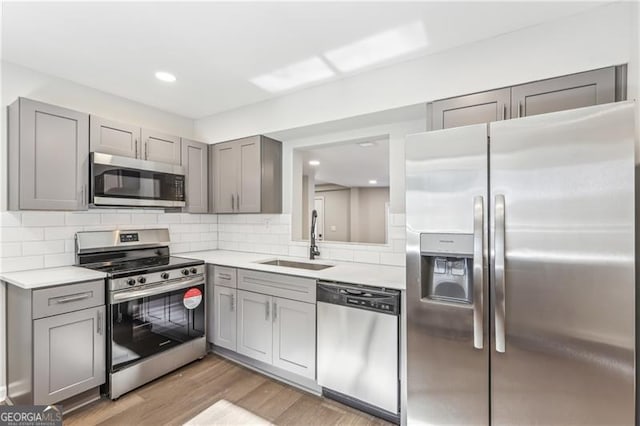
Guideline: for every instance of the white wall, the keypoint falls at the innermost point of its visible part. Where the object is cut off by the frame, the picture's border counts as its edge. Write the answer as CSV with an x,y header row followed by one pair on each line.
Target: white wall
x,y
601,37
40,239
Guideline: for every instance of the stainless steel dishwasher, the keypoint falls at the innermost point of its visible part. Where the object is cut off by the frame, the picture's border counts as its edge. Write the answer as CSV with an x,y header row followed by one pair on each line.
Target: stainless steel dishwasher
x,y
358,346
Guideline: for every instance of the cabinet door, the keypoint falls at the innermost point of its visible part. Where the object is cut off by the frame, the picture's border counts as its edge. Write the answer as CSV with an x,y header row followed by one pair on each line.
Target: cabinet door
x,y
478,108
225,170
53,154
294,336
160,147
249,175
224,317
69,354
195,161
562,93
254,335
114,138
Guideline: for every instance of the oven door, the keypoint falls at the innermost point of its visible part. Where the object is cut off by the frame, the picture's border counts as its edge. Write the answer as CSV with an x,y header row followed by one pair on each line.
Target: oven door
x,y
123,181
144,322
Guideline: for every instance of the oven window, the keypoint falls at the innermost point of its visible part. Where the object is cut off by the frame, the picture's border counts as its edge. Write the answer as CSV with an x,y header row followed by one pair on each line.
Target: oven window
x,y
144,327
117,182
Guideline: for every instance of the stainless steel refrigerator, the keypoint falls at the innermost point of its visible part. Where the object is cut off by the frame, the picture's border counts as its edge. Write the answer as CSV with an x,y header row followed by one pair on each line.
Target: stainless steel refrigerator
x,y
520,271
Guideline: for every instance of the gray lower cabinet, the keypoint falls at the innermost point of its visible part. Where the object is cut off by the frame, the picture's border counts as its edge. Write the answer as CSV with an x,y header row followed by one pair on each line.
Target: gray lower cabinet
x,y
223,325
563,93
56,344
110,137
48,154
195,160
69,354
160,147
493,105
247,176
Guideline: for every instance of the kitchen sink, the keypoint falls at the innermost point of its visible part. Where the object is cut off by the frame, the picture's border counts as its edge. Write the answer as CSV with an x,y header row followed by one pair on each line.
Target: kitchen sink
x,y
298,265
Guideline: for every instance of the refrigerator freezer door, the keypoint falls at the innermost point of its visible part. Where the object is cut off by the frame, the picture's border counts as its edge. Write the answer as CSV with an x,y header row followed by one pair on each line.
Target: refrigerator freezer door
x,y
447,357
567,180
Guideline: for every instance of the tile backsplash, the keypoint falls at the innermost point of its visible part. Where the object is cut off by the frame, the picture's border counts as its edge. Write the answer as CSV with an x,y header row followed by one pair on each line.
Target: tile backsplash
x,y
34,239
31,239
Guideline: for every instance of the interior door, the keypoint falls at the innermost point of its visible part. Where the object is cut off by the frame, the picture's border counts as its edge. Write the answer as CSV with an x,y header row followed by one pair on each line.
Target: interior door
x,y
562,195
254,335
447,355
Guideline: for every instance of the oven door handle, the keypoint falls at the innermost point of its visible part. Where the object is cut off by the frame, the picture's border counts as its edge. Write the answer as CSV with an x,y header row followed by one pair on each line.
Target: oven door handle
x,y
127,295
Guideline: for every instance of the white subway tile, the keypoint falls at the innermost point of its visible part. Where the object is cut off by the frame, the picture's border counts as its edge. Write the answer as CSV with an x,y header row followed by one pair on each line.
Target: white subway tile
x,y
115,219
227,245
61,232
11,264
10,249
399,245
70,246
189,218
366,257
297,251
179,228
209,218
63,259
21,234
397,232
398,219
203,245
99,228
166,218
10,218
82,219
42,218
209,236
341,254
179,247
144,219
32,248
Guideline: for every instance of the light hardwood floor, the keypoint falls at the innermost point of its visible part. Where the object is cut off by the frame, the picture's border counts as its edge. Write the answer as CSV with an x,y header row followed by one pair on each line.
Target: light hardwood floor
x,y
180,396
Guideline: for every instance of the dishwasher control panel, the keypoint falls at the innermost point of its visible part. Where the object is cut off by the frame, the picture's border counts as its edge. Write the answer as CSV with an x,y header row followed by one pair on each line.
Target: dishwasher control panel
x,y
372,299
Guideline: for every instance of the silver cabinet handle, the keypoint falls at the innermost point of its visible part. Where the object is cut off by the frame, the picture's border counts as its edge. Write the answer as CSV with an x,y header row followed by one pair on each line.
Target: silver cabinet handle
x,y
238,200
233,303
100,328
498,273
275,310
146,150
267,306
504,111
233,200
478,272
136,147
72,298
519,109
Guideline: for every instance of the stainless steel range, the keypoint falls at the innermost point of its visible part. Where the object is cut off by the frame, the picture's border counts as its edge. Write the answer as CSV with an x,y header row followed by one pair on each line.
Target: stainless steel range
x,y
156,304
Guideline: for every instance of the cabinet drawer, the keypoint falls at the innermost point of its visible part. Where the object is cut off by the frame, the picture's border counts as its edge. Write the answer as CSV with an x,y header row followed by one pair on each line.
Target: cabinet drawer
x,y
225,277
287,286
67,298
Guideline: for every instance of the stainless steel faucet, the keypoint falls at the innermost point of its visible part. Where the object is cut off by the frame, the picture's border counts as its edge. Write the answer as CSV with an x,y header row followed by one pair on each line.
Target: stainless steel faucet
x,y
313,250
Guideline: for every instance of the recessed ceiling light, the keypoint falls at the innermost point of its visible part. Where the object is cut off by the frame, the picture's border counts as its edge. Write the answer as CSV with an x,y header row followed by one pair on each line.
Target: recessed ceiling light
x,y
307,71
378,47
165,76
314,163
373,182
367,144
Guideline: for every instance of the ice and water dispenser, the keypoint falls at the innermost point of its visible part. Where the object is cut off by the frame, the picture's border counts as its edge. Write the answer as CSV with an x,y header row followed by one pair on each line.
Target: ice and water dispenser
x,y
447,267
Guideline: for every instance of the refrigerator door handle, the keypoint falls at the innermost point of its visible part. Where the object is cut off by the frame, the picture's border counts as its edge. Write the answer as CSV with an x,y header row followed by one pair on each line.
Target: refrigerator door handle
x,y
499,276
478,272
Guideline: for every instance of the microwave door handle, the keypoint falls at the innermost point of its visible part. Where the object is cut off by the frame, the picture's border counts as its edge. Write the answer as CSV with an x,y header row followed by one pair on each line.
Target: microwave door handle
x,y
478,272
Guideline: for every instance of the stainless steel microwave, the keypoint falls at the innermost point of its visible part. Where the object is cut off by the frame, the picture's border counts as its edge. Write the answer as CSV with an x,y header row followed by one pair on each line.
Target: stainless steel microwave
x,y
129,182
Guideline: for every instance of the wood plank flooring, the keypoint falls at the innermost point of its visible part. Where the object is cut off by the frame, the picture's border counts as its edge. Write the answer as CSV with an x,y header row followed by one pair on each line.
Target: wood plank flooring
x,y
240,394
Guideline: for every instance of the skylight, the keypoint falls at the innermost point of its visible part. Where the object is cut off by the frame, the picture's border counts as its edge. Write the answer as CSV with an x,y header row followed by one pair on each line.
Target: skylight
x,y
297,74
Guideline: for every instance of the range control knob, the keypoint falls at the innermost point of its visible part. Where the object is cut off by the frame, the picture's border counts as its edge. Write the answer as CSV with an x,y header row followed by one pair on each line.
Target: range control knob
x,y
185,272
131,281
164,276
194,271
142,280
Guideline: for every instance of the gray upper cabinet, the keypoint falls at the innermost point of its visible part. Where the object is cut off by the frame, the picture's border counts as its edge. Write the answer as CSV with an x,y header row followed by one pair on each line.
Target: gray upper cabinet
x,y
247,176
160,147
562,93
110,137
48,157
195,160
478,108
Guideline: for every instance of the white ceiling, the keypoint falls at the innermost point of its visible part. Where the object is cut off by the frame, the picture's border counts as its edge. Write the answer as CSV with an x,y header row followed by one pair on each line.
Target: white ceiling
x,y
215,48
349,164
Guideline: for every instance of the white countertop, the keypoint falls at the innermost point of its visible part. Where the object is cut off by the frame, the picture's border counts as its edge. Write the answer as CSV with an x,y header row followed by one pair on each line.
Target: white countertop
x,y
40,278
348,272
